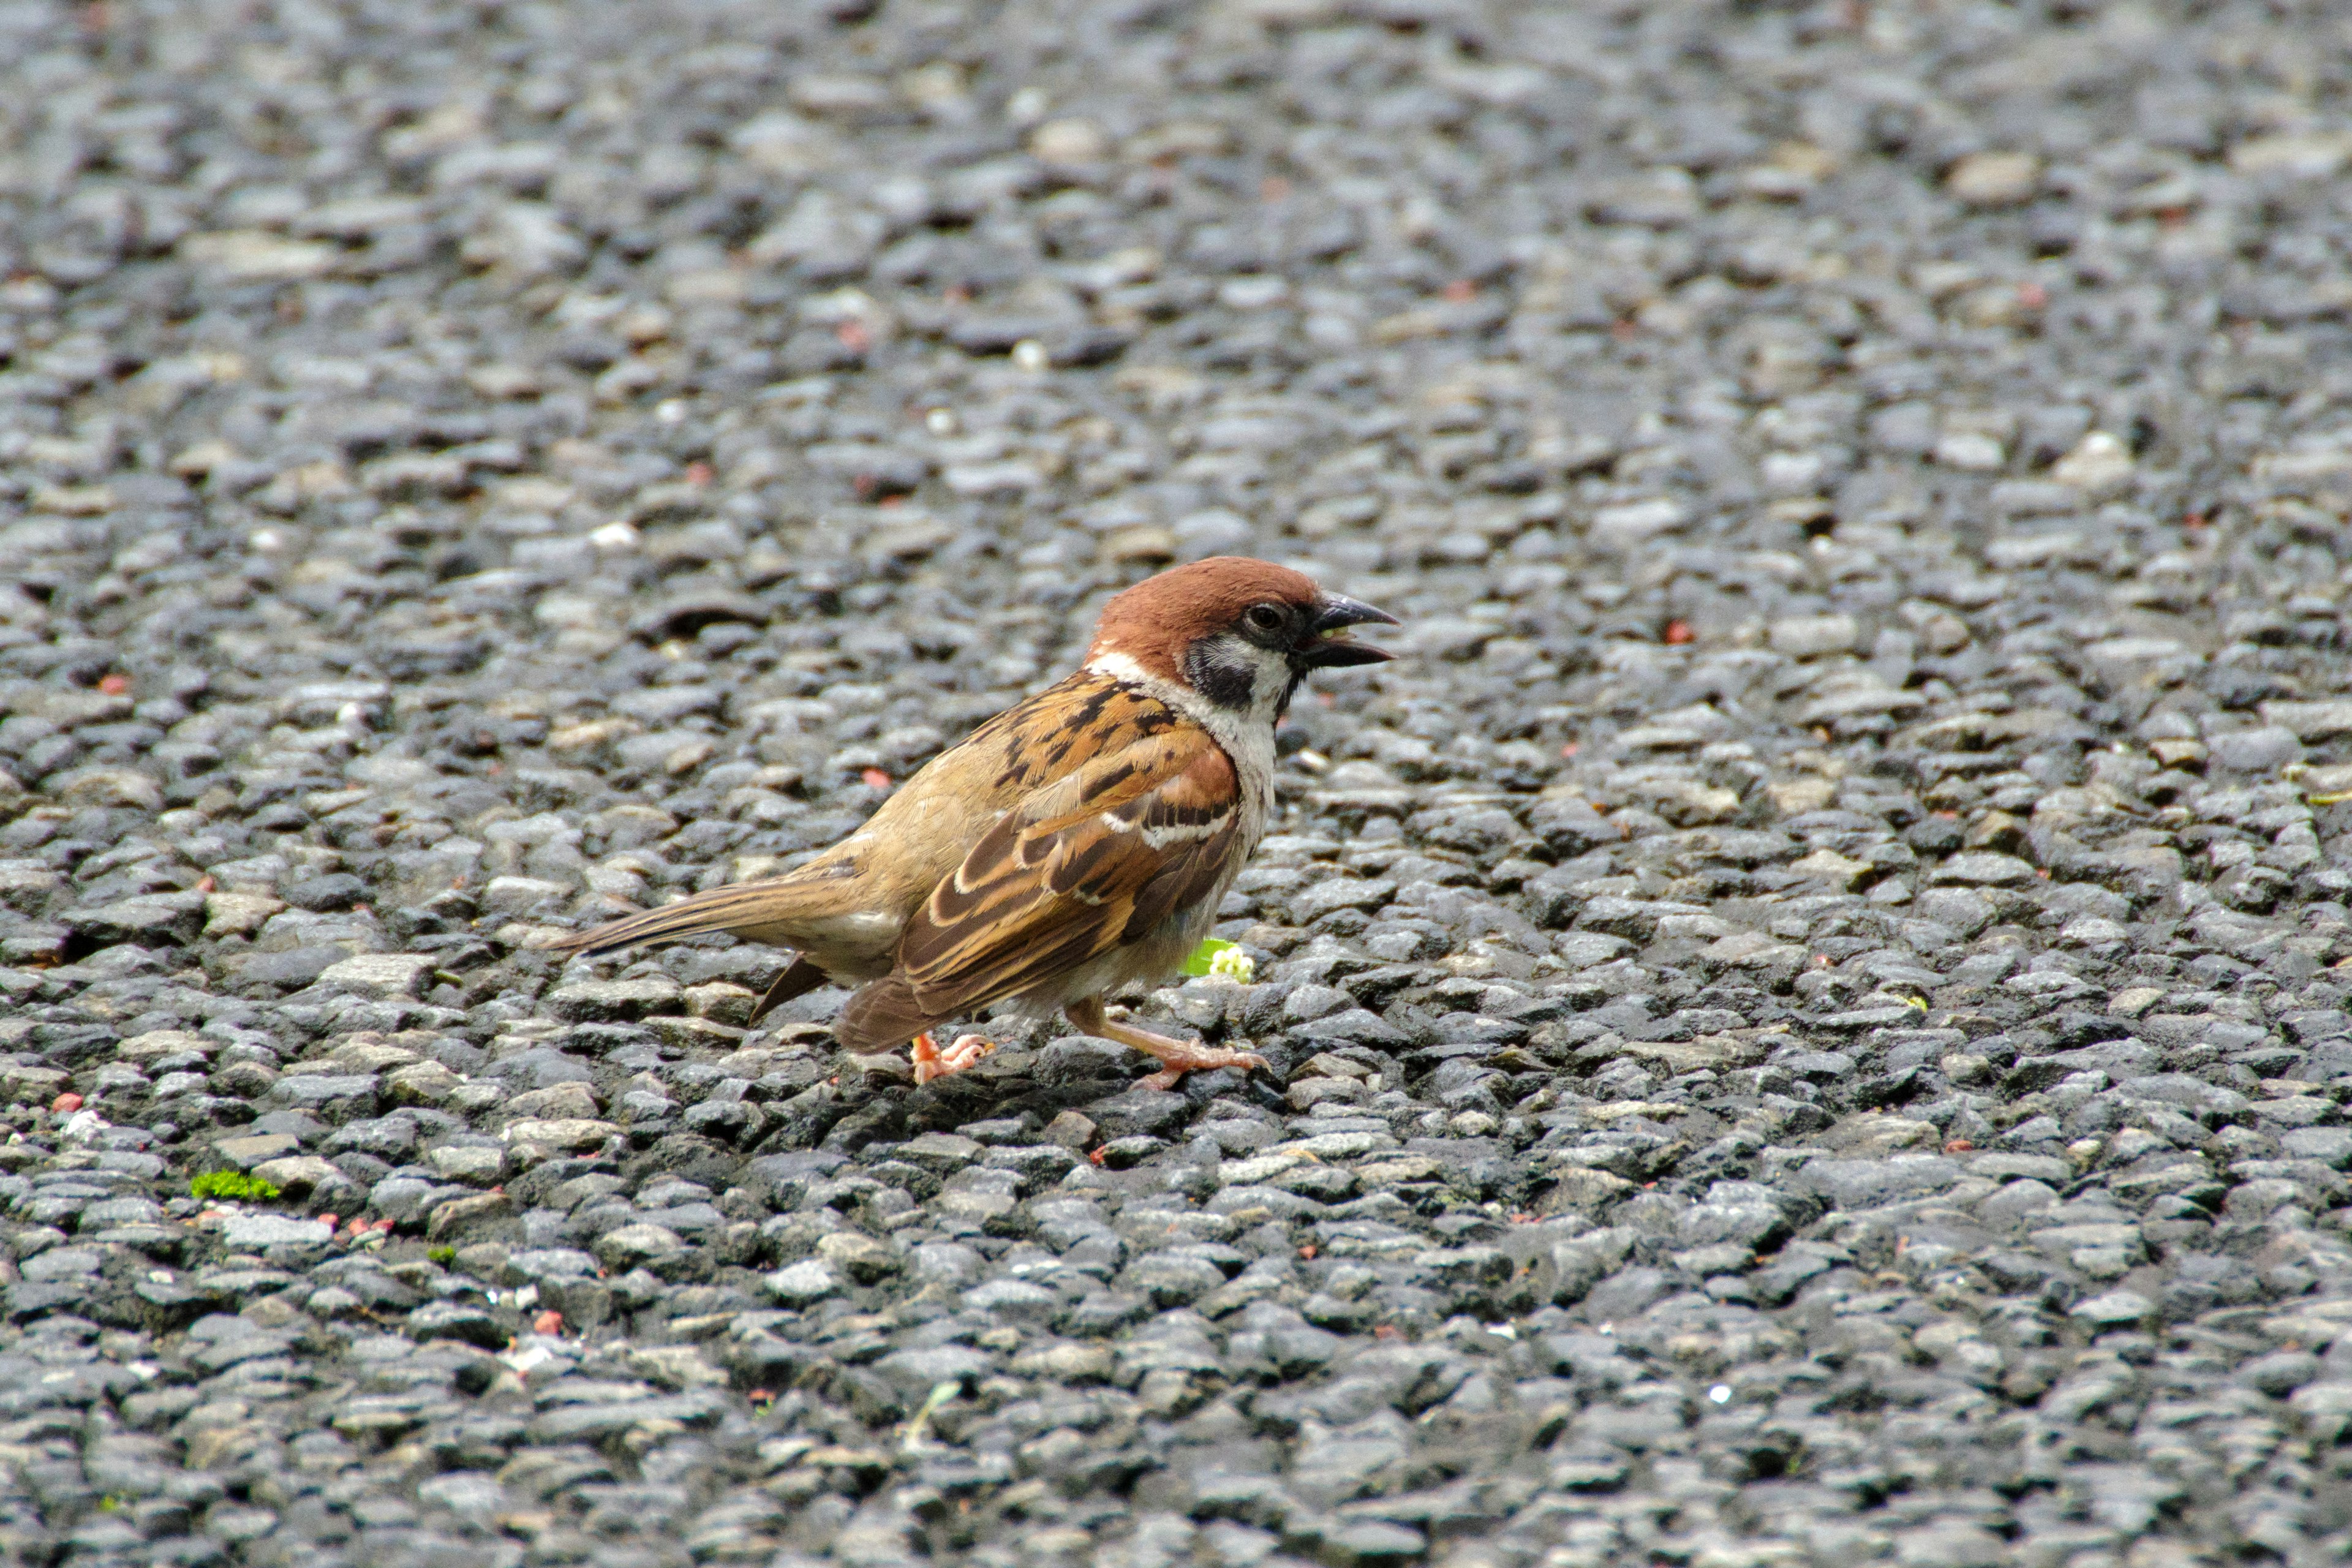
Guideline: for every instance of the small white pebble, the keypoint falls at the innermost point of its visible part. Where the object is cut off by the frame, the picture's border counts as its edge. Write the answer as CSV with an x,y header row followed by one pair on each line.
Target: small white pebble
x,y
670,411
82,1126
1608,1328
265,539
1029,354
615,536
1503,1331
528,1359
1720,1393
941,422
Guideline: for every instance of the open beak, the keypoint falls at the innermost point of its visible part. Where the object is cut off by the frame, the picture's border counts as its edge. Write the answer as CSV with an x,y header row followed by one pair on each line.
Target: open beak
x,y
1328,645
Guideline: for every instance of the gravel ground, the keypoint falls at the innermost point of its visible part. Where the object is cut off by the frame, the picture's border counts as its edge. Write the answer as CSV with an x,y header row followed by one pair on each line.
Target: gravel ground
x,y
1809,1009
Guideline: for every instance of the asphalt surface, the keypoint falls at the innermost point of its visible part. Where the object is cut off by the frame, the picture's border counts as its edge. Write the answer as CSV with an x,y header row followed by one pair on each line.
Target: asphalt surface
x,y
1808,1010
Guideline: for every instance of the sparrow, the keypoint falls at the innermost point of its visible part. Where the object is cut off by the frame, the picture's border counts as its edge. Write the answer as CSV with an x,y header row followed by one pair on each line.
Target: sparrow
x,y
1074,843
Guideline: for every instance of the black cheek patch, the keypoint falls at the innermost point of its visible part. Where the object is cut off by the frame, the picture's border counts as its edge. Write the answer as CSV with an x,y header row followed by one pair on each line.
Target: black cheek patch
x,y
1226,682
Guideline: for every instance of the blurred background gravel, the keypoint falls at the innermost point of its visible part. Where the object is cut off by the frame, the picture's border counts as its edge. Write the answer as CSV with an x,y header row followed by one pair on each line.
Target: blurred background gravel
x,y
1808,1009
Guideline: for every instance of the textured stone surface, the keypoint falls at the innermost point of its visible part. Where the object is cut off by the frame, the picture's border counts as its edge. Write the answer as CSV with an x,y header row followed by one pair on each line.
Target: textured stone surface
x,y
1806,1010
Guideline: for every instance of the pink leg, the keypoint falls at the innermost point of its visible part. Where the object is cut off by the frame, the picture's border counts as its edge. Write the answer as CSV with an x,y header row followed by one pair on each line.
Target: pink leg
x,y
1176,1057
931,1062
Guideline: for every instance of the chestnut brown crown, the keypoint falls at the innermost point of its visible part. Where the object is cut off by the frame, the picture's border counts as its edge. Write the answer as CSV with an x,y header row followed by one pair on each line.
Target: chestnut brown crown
x,y
1159,620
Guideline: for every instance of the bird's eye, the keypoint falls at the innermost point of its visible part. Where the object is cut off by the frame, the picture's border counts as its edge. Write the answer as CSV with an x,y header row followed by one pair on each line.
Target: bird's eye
x,y
1265,617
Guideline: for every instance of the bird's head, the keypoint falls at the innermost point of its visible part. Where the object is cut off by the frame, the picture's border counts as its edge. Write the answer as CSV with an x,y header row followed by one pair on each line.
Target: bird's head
x,y
1241,634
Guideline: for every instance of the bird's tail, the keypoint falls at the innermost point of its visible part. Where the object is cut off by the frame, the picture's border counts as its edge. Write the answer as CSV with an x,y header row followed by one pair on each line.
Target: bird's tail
x,y
747,909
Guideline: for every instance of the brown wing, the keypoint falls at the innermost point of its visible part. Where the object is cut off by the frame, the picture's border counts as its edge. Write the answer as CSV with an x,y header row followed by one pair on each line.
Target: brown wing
x,y
1099,857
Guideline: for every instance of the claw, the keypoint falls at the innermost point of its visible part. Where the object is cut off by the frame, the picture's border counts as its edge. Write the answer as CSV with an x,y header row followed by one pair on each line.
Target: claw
x,y
931,1062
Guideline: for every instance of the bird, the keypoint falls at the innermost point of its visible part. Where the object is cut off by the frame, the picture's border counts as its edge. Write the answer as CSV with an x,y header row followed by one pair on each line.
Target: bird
x,y
1078,841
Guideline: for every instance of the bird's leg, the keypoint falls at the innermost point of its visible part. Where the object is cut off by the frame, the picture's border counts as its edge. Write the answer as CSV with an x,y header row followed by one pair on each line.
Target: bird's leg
x,y
1176,1057
931,1062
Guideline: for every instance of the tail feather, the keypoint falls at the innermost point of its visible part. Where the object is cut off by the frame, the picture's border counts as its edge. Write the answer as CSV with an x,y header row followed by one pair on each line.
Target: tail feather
x,y
799,980
881,1016
741,909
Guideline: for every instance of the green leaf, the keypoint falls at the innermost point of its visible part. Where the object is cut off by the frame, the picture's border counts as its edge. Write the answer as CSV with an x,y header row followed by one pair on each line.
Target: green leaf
x,y
233,1186
1203,956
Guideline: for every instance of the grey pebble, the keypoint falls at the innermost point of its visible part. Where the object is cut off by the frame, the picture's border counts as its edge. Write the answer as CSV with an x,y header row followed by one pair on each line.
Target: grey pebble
x,y
1823,958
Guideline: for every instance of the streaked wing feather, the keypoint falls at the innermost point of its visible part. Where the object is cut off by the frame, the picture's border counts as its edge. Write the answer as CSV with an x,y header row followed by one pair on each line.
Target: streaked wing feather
x,y
1186,880
1097,858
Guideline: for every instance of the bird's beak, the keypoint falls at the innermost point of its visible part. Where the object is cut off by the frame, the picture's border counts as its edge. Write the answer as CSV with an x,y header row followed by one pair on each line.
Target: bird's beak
x,y
1328,645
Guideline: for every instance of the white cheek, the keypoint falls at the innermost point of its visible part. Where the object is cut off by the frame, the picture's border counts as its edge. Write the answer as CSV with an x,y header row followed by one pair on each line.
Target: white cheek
x,y
1272,680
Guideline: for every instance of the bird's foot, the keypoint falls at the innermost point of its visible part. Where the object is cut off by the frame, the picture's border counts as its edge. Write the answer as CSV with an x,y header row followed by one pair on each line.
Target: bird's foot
x,y
1177,1057
931,1062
